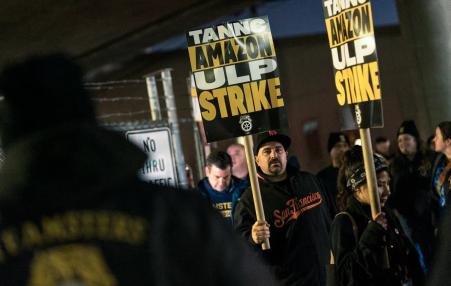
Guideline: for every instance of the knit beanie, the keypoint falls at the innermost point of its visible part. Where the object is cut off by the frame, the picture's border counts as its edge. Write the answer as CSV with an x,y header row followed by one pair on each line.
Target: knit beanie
x,y
336,137
408,127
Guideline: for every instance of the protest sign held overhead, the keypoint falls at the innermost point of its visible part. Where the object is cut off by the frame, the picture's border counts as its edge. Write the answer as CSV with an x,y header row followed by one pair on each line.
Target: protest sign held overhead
x,y
350,30
237,78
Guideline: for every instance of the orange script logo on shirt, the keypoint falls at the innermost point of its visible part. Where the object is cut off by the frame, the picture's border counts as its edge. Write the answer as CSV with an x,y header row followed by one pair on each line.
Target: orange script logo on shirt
x,y
295,207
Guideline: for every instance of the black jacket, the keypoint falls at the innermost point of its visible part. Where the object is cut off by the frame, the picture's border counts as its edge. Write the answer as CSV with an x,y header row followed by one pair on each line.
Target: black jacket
x,y
440,272
411,193
412,197
72,210
361,263
299,224
328,176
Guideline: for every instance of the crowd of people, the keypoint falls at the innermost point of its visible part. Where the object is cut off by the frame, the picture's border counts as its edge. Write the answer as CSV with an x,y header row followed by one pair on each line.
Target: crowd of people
x,y
413,184
72,211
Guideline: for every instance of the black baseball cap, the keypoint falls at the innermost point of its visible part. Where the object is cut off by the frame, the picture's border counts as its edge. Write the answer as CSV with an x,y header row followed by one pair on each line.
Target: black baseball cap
x,y
271,136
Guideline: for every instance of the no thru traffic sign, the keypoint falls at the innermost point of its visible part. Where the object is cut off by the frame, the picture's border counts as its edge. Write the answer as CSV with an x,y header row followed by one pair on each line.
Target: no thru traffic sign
x,y
159,167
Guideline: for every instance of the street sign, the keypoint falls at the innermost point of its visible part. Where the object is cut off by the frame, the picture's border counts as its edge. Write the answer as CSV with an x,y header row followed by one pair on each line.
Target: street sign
x,y
159,167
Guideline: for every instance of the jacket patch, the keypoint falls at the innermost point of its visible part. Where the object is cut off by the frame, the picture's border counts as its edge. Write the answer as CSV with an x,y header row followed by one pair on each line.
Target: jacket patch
x,y
295,207
71,265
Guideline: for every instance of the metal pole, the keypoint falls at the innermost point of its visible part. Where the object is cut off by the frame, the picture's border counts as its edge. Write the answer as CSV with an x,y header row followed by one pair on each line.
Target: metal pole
x,y
371,180
200,152
152,92
258,204
173,122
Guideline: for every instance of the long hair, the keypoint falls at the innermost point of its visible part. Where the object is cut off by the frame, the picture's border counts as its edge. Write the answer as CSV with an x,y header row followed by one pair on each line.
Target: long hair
x,y
352,160
445,128
352,174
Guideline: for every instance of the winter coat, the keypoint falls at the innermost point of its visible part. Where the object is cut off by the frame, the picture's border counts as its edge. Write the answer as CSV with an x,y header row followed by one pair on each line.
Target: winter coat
x,y
440,272
328,176
224,202
440,198
411,194
297,212
73,212
412,197
360,263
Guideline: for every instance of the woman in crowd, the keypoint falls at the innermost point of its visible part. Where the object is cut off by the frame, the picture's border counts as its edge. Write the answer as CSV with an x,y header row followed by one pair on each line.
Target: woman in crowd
x,y
441,183
411,192
441,180
358,241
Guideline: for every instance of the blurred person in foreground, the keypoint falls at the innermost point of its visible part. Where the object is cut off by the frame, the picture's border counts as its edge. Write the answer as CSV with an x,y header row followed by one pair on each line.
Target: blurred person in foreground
x,y
72,209
297,216
358,241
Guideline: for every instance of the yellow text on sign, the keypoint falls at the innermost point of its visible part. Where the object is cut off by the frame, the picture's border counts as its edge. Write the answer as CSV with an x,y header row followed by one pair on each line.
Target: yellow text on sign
x,y
350,25
358,84
241,99
231,51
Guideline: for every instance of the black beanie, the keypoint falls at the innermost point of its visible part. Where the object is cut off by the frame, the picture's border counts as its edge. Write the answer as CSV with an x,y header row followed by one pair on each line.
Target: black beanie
x,y
408,127
336,137
41,92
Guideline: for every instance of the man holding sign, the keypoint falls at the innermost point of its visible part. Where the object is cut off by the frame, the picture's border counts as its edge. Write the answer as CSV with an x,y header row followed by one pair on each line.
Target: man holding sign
x,y
297,215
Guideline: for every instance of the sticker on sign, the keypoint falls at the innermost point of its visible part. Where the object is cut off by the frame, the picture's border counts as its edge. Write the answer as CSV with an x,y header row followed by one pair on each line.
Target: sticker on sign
x,y
159,167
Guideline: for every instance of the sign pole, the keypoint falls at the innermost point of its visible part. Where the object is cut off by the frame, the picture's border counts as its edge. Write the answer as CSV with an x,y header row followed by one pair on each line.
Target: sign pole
x,y
152,92
169,96
371,180
259,211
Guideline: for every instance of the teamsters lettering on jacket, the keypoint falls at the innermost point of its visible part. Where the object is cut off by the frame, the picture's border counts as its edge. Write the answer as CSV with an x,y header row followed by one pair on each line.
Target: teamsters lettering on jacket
x,y
72,226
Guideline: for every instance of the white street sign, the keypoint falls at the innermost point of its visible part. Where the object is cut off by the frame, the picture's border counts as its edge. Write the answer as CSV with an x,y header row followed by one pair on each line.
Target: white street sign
x,y
157,144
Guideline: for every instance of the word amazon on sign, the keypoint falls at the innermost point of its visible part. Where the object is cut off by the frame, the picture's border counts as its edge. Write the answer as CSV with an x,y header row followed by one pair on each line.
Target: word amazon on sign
x,y
349,25
237,78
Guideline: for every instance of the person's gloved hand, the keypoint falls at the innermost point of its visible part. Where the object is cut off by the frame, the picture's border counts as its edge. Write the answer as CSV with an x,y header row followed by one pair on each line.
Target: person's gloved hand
x,y
373,235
